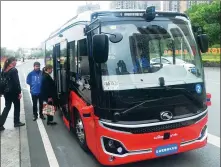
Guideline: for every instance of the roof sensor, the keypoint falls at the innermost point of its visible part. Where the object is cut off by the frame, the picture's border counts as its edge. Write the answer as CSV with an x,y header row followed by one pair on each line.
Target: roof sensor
x,y
150,13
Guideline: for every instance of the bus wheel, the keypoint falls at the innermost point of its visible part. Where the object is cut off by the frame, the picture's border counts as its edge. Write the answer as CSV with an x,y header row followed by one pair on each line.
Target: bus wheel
x,y
80,132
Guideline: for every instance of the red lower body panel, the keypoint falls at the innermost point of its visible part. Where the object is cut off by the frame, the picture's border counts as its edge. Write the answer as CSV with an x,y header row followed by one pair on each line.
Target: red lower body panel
x,y
143,146
66,122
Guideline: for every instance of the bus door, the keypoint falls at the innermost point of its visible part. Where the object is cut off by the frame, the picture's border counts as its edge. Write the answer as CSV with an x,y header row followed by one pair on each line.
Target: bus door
x,y
63,81
57,69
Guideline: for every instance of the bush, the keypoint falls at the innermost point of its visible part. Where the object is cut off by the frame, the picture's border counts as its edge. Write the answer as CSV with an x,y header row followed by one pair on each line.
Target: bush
x,y
211,63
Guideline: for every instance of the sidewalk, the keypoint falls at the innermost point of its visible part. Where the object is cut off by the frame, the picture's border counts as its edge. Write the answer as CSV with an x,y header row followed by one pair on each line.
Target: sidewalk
x,y
14,141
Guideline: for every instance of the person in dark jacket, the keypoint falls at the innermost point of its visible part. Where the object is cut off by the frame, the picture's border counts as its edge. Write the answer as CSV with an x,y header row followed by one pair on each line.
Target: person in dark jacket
x,y
13,95
34,80
48,91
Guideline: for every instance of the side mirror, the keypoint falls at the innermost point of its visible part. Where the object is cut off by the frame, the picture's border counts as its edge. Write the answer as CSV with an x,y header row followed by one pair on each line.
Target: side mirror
x,y
100,48
203,42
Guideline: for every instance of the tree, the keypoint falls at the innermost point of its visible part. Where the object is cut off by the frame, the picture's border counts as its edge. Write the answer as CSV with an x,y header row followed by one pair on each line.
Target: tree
x,y
3,51
10,53
19,53
208,17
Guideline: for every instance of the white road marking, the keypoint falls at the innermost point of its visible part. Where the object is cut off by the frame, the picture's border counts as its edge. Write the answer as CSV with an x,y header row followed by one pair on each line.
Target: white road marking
x,y
53,162
214,140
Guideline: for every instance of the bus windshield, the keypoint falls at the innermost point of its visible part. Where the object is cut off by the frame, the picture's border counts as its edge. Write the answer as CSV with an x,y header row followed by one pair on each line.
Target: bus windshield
x,y
148,51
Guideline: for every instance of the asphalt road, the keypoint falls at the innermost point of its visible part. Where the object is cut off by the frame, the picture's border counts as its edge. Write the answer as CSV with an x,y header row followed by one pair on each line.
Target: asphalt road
x,y
69,154
212,76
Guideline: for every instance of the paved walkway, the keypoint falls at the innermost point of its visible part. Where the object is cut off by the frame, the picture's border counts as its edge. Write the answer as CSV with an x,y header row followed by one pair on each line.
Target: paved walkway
x,y
14,141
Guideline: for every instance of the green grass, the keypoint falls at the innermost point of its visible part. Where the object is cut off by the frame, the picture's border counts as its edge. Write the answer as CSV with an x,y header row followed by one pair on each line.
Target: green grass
x,y
211,57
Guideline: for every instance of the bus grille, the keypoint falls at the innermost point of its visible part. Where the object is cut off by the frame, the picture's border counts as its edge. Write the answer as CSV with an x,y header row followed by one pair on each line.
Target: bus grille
x,y
156,128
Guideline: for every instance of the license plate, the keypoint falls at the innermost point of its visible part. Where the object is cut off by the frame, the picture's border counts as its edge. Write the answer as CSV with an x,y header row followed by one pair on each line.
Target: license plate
x,y
166,150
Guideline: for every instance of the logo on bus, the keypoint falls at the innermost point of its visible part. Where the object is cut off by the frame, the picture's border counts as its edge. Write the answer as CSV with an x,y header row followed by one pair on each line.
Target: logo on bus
x,y
161,137
198,88
166,115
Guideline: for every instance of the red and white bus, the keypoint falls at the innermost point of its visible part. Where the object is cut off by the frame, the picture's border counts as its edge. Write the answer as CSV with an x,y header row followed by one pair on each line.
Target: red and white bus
x,y
122,99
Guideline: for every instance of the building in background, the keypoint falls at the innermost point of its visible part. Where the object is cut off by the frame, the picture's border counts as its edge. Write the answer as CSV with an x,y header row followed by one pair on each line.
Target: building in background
x,y
144,4
134,4
183,6
175,6
124,5
88,7
190,3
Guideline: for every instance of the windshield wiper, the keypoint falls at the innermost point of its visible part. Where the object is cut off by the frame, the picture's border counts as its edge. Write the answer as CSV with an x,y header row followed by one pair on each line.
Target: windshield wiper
x,y
183,91
117,115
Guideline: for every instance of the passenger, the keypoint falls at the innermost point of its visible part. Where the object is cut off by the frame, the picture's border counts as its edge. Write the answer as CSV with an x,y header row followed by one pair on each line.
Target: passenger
x,y
12,94
34,80
48,91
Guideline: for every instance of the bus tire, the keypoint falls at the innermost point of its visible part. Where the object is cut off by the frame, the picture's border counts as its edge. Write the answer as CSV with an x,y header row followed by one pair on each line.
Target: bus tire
x,y
80,132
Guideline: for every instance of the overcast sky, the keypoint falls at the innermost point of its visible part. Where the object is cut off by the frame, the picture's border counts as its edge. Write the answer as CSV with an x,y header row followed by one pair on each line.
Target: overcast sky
x,y
28,23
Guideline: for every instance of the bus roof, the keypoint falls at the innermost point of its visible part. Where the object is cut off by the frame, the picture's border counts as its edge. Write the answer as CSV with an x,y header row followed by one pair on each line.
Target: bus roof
x,y
87,16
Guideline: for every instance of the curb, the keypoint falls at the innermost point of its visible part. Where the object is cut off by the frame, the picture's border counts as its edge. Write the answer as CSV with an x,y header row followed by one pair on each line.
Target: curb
x,y
24,145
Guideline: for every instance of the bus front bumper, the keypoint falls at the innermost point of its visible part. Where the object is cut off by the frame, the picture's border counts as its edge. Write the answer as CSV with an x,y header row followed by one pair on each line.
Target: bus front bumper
x,y
115,148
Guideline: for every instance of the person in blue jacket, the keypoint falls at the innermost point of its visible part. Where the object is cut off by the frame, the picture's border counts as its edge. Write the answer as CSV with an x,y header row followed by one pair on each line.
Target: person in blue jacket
x,y
34,80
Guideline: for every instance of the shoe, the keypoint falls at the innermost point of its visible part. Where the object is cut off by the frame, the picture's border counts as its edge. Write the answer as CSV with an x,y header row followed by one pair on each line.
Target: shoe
x,y
2,128
51,123
42,117
35,118
19,124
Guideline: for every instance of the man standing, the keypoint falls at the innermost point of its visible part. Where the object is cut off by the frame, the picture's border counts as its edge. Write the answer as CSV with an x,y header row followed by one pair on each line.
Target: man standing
x,y
34,80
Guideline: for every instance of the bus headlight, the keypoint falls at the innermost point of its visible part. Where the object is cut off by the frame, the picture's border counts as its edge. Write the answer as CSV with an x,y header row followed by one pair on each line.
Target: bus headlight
x,y
113,146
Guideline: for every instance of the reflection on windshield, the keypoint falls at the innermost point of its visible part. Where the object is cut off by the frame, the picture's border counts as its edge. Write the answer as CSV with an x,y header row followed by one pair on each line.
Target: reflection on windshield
x,y
164,49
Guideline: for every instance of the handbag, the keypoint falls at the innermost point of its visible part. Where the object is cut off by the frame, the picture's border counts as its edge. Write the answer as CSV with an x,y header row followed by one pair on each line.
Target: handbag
x,y
49,110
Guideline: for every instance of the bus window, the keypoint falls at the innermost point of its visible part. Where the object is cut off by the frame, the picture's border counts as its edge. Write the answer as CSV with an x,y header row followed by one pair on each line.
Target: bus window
x,y
73,60
83,69
73,57
48,54
83,66
63,64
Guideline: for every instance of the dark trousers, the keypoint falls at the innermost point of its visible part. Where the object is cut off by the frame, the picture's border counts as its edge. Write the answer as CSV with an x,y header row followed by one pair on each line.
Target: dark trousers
x,y
9,99
50,118
35,100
